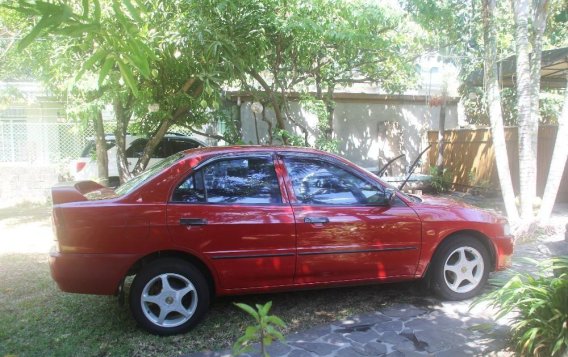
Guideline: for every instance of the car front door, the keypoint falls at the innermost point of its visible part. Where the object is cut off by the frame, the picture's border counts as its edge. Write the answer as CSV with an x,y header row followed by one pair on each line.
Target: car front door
x,y
345,229
235,212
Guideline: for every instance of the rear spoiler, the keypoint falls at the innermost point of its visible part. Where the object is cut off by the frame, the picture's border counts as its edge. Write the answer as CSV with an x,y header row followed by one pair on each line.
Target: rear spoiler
x,y
73,191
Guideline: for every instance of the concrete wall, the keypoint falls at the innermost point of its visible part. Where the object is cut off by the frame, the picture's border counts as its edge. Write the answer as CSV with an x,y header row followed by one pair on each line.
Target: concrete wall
x,y
369,131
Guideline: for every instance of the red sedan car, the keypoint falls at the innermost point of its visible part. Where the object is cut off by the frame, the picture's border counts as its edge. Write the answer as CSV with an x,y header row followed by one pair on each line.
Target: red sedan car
x,y
234,220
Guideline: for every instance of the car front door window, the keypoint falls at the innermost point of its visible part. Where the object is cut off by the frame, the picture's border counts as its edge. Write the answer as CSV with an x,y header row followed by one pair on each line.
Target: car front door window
x,y
319,182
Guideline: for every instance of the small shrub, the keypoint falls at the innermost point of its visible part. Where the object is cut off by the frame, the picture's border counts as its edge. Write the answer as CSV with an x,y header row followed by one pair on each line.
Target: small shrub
x,y
541,326
264,331
441,181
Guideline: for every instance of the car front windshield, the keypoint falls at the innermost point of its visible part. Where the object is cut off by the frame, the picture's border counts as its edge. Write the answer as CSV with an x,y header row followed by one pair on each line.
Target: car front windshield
x,y
137,181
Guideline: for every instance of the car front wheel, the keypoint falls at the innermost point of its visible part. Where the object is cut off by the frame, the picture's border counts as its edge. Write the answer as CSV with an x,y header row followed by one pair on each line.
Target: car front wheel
x,y
169,296
460,268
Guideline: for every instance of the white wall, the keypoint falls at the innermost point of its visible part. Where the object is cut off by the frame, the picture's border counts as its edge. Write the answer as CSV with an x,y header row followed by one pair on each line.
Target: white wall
x,y
356,127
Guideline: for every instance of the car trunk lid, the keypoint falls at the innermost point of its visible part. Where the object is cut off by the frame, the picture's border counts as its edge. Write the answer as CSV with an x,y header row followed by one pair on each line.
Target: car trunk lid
x,y
80,191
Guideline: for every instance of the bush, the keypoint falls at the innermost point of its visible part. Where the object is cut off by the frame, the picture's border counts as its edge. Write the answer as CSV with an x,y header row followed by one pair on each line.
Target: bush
x,y
441,180
264,331
541,326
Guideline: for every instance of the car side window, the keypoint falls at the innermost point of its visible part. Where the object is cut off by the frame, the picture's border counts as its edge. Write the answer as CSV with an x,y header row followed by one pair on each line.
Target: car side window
x,y
232,181
136,148
181,145
319,182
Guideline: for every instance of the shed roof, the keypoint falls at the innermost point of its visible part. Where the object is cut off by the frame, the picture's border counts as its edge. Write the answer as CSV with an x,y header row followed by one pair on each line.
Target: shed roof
x,y
553,70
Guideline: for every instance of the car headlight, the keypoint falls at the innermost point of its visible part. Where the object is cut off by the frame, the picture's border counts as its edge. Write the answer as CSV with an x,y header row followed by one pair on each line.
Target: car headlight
x,y
506,229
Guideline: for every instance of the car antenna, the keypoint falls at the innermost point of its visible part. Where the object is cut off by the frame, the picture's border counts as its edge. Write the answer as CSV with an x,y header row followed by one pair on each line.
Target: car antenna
x,y
384,169
412,167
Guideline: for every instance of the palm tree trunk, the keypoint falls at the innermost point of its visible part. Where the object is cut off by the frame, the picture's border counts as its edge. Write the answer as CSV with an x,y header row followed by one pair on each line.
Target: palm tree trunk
x,y
557,163
528,125
495,112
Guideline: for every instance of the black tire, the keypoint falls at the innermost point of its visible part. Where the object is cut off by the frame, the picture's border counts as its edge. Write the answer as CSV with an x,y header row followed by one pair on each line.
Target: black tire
x,y
179,276
472,274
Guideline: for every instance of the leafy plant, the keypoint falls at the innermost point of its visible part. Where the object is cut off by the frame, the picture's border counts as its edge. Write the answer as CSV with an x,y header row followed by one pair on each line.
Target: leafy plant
x,y
441,181
541,326
264,331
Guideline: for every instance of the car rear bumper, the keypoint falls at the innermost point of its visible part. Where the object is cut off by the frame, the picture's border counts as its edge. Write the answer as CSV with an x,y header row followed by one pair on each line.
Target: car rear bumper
x,y
98,274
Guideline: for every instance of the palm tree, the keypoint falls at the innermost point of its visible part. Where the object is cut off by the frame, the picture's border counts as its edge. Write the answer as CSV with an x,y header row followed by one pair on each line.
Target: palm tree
x,y
495,111
528,125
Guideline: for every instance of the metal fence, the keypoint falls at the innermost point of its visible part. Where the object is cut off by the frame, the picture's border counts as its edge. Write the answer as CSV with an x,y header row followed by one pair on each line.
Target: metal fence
x,y
46,143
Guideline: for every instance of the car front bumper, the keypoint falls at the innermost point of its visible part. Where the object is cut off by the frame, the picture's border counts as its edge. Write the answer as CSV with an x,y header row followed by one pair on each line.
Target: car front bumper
x,y
504,252
98,274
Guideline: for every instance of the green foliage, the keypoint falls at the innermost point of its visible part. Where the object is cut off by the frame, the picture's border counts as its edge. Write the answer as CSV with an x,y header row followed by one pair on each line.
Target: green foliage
x,y
476,112
292,139
441,181
318,107
540,327
264,331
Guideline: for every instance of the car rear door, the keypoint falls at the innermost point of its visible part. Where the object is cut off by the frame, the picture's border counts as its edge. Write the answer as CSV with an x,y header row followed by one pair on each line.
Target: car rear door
x,y
344,229
234,211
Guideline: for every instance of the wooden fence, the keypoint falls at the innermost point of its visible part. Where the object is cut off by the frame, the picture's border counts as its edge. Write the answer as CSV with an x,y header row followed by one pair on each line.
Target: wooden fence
x,y
469,156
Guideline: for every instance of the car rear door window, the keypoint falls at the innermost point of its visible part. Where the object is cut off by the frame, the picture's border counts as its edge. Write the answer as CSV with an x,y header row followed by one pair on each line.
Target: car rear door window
x,y
320,182
232,181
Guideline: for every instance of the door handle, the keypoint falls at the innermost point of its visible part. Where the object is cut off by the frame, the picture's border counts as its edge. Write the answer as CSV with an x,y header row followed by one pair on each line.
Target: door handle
x,y
192,221
320,220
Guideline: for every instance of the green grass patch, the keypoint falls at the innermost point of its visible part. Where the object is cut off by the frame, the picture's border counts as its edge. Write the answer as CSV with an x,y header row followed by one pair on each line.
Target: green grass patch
x,y
36,319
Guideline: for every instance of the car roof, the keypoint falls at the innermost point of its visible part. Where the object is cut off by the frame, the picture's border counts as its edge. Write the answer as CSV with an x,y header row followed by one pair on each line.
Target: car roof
x,y
209,151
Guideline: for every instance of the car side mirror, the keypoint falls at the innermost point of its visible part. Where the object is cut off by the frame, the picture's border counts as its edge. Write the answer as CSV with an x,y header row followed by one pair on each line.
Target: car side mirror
x,y
390,196
387,197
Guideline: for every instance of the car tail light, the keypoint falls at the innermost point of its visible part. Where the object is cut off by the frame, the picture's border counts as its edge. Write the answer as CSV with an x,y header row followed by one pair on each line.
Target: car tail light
x,y
80,166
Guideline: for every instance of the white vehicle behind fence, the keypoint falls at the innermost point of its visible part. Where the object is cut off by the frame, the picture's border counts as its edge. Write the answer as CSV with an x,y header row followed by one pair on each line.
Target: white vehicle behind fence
x,y
85,168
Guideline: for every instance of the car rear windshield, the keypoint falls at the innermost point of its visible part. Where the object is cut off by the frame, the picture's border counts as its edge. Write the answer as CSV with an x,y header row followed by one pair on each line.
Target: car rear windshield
x,y
145,176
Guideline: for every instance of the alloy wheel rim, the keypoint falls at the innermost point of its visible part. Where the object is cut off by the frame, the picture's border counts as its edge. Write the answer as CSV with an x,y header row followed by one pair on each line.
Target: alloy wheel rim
x,y
463,269
169,300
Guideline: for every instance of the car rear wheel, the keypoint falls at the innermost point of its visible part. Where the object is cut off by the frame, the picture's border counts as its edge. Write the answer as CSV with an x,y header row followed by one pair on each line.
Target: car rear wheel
x,y
460,268
169,296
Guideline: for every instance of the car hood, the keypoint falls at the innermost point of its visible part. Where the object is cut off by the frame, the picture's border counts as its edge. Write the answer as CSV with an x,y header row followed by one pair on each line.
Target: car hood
x,y
447,209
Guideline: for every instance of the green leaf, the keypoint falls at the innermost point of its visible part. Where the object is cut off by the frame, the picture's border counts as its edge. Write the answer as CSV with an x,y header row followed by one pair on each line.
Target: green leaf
x,y
203,104
276,321
96,57
85,5
244,307
97,10
128,77
46,21
264,309
105,69
132,10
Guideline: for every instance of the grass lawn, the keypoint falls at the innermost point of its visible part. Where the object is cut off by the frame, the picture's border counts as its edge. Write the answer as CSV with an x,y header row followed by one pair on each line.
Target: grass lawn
x,y
36,319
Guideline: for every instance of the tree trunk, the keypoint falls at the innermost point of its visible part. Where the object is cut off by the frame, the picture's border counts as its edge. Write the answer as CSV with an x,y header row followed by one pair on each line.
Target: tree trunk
x,y
441,130
101,148
528,125
330,108
557,164
151,145
280,123
122,119
495,112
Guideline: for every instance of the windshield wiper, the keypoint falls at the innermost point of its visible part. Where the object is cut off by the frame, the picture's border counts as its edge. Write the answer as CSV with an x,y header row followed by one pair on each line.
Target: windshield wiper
x,y
382,171
412,167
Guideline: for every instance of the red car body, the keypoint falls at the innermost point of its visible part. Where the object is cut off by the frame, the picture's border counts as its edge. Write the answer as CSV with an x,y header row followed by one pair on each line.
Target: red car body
x,y
246,248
